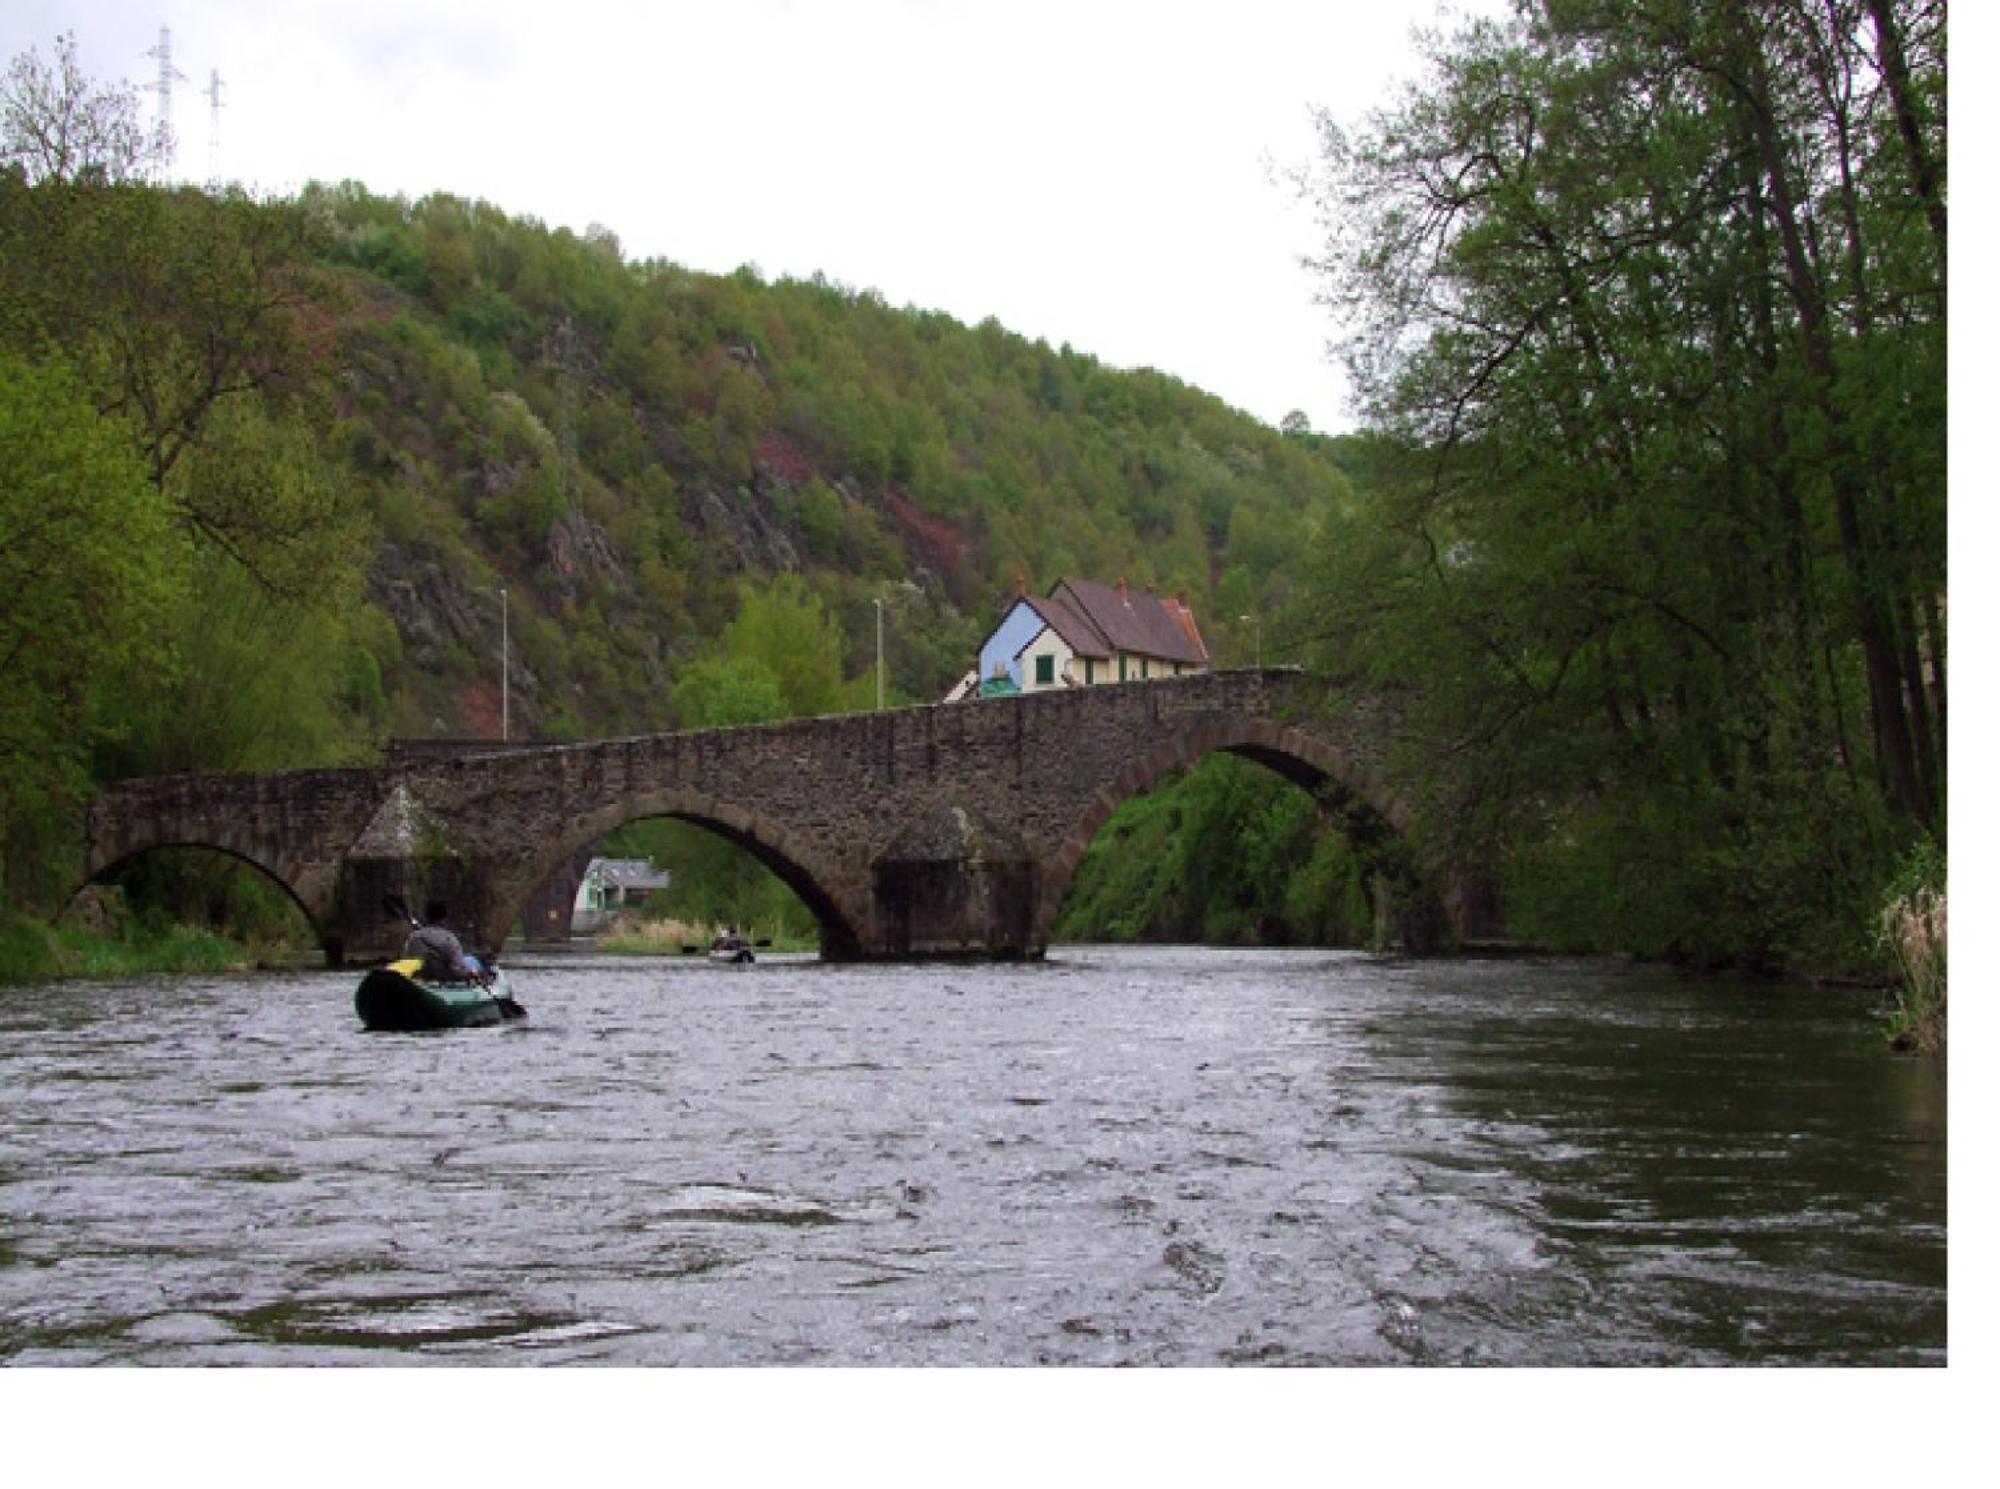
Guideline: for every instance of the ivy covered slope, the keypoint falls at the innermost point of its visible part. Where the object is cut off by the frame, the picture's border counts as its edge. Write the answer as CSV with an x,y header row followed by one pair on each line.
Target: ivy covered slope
x,y
626,446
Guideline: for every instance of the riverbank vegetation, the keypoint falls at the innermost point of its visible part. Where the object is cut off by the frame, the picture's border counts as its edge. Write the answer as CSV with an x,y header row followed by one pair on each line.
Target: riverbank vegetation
x,y
1648,318
1228,855
175,911
1642,544
643,935
1914,931
34,951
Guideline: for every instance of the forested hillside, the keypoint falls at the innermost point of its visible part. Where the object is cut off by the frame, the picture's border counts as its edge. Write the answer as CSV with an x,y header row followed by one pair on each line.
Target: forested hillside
x,y
627,445
339,426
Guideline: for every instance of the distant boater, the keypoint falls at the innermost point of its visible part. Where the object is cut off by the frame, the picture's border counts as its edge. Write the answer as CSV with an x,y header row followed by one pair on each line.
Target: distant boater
x,y
731,946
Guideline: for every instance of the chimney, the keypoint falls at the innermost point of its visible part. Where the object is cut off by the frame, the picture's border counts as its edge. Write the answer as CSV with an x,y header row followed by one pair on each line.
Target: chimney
x,y
1020,585
1123,598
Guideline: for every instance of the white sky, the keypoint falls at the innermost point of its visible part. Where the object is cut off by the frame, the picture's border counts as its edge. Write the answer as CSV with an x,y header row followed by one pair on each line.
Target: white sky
x,y
1096,173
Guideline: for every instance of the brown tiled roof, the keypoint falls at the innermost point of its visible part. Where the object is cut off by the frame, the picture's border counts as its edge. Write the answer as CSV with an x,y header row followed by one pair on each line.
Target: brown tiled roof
x,y
1141,622
1078,634
1183,614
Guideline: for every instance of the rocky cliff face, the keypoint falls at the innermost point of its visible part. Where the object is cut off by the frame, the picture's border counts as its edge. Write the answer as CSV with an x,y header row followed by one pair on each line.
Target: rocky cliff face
x,y
441,619
742,527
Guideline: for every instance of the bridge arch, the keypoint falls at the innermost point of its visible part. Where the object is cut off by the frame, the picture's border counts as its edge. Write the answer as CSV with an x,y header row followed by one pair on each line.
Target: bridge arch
x,y
1368,812
840,913
315,915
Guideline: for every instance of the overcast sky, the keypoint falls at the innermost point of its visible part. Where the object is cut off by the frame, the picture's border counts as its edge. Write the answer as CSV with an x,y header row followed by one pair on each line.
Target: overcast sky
x,y
1109,175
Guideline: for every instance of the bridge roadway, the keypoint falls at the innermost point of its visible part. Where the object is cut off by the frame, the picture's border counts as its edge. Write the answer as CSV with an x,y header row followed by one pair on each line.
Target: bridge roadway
x,y
951,829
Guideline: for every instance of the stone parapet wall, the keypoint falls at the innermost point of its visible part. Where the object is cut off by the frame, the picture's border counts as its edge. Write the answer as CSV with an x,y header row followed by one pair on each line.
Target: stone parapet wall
x,y
940,829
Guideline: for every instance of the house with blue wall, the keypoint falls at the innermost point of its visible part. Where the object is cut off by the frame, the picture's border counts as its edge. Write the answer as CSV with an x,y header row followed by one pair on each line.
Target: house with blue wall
x,y
1082,634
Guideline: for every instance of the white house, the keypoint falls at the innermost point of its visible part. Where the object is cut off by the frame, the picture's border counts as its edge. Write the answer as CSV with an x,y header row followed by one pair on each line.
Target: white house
x,y
613,884
1081,634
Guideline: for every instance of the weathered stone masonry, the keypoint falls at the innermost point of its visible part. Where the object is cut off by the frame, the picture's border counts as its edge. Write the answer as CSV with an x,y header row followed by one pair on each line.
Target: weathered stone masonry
x,y
951,829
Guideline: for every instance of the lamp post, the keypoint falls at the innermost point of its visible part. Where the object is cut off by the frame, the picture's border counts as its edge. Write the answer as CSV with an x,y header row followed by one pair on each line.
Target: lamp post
x,y
879,683
1258,622
503,664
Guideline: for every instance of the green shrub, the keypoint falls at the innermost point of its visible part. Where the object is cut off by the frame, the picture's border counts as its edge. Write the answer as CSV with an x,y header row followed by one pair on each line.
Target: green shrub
x,y
1913,933
31,951
27,951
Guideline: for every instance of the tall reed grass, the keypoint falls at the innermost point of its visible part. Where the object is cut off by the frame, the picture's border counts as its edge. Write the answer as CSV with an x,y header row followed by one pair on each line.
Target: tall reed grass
x,y
1913,930
32,951
631,935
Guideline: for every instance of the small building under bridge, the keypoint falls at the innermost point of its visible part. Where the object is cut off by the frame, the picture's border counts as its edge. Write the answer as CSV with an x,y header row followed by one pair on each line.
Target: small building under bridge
x,y
610,887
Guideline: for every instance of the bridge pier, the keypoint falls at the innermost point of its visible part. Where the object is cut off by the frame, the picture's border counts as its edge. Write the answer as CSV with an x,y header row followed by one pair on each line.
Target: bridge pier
x,y
955,909
954,884
361,929
1409,917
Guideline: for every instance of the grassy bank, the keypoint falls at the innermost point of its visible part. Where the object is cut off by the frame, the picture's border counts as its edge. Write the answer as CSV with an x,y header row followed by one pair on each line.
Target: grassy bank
x,y
34,951
1913,928
1912,933
630,936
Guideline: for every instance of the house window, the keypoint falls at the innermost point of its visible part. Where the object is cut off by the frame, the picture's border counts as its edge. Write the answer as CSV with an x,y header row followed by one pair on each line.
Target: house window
x,y
1145,668
1121,666
1045,672
1089,672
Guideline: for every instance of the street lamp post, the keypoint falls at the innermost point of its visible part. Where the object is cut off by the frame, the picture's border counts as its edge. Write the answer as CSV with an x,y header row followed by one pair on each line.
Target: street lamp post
x,y
879,676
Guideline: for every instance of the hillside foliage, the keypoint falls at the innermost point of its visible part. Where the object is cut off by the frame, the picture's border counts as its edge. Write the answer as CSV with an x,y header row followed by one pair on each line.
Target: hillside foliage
x,y
347,422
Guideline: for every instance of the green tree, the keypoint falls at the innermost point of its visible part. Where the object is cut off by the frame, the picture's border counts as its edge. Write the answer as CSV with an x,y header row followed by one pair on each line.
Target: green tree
x,y
91,570
58,126
786,630
1227,853
1652,320
724,692
175,304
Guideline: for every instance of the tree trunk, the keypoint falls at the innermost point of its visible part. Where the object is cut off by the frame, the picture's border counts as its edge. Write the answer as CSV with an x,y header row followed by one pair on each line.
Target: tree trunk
x,y
1896,74
1873,617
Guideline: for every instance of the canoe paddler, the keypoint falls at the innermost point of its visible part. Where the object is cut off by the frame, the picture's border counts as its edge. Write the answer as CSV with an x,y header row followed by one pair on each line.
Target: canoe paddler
x,y
443,955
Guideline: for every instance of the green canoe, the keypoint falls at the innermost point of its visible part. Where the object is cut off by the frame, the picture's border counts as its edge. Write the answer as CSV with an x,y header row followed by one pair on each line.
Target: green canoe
x,y
391,997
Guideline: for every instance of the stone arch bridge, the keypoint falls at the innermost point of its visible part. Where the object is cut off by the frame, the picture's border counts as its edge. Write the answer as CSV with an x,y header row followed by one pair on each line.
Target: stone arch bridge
x,y
945,830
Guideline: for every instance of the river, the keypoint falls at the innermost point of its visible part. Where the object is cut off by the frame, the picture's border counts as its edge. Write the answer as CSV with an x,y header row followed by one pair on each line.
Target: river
x,y
1157,1156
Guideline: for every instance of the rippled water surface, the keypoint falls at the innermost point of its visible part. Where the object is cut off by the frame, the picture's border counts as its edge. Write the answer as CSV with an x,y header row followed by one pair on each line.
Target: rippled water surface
x,y
1164,1156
